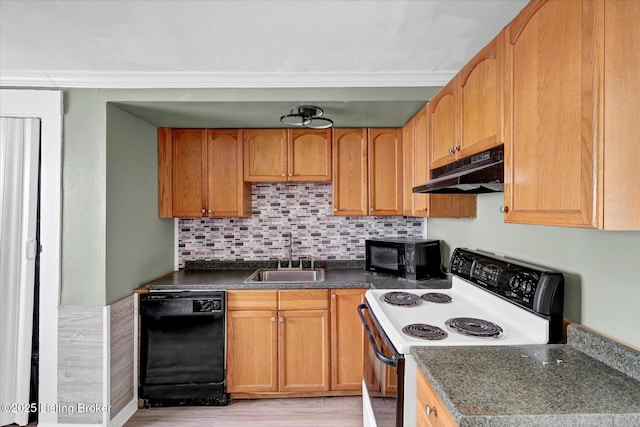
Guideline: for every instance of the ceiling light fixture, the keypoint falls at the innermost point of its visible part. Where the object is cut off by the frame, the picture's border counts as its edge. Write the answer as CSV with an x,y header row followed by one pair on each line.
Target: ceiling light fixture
x,y
308,116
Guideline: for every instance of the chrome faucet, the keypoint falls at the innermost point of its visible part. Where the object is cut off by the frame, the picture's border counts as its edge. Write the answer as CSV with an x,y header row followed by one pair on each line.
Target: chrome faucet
x,y
290,257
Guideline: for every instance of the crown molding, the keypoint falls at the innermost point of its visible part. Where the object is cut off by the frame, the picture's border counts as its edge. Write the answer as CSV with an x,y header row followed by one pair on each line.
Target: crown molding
x,y
157,80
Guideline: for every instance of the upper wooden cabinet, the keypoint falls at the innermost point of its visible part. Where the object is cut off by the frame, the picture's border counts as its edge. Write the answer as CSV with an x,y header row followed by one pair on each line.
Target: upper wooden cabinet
x,y
278,155
350,174
480,100
416,159
385,171
442,125
572,156
200,173
465,116
265,155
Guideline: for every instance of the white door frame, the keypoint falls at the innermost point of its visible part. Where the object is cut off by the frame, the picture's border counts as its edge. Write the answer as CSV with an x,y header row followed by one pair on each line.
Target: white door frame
x,y
47,106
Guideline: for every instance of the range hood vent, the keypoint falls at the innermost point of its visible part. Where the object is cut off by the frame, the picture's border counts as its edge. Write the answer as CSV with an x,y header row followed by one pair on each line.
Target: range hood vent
x,y
480,173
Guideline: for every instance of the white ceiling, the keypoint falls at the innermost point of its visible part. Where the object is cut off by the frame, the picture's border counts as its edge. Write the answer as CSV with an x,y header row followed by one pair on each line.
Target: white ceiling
x,y
246,44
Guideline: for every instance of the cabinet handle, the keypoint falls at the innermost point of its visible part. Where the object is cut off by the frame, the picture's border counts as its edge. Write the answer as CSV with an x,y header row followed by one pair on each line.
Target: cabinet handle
x,y
450,150
370,209
290,174
457,148
429,410
284,174
333,296
281,319
273,319
203,211
335,209
209,210
504,209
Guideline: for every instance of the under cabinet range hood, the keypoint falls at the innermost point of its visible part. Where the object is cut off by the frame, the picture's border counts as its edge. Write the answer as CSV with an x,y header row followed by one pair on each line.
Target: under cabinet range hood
x,y
479,173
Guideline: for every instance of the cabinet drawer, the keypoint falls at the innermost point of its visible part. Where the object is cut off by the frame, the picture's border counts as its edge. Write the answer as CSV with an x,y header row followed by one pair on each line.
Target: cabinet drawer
x,y
437,415
303,299
252,300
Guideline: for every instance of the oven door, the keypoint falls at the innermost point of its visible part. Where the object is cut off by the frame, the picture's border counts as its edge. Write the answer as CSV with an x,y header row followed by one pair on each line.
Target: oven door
x,y
383,382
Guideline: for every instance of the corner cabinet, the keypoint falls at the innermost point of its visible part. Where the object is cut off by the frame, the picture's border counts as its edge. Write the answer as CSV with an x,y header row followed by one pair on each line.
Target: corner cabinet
x,y
281,155
200,173
572,156
416,159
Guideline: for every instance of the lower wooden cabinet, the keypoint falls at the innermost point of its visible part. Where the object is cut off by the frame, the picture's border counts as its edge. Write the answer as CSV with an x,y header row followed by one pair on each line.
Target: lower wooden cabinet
x,y
430,411
303,350
252,351
294,342
278,341
347,339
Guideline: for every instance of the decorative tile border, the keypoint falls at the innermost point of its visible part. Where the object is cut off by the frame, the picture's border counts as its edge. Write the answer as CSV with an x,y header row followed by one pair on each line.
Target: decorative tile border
x,y
302,209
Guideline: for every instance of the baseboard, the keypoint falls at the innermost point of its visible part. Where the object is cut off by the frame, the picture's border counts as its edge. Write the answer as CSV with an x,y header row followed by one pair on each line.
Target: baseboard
x,y
67,425
123,416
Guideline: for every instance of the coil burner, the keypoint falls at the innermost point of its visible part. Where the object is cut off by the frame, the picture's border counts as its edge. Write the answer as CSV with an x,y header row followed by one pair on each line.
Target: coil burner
x,y
424,331
474,327
401,298
436,297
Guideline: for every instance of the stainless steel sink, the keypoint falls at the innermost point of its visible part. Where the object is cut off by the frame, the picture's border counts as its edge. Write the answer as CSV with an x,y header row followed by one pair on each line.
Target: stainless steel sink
x,y
287,276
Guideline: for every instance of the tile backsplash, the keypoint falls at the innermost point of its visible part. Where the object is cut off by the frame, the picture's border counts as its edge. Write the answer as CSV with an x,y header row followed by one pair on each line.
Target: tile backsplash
x,y
302,209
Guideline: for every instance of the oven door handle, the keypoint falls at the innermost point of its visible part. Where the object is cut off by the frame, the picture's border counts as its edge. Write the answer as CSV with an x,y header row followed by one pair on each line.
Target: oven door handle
x,y
384,359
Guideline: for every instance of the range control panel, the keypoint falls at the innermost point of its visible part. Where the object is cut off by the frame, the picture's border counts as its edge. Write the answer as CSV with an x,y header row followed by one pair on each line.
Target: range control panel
x,y
533,287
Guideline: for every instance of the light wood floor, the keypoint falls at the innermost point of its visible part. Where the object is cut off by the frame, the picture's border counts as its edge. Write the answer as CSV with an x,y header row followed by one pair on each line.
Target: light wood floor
x,y
307,412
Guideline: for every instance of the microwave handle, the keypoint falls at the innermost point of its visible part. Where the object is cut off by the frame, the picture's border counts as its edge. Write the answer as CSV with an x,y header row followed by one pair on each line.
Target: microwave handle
x,y
384,359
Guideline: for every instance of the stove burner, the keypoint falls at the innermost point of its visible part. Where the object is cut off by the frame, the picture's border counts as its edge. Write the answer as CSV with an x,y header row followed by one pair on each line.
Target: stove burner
x,y
401,298
474,327
424,331
436,297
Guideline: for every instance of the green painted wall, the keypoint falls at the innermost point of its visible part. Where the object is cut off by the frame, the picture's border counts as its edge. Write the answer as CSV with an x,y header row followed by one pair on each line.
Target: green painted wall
x,y
139,244
103,258
602,268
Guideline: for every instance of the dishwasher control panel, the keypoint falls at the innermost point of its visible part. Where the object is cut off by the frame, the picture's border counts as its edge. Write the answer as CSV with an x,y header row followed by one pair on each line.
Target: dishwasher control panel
x,y
186,303
207,305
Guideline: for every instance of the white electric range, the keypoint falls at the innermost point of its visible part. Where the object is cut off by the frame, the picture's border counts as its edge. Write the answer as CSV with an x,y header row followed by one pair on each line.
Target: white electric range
x,y
492,301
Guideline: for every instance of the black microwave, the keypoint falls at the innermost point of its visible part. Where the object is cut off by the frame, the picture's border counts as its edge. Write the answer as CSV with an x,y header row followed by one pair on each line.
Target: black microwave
x,y
410,259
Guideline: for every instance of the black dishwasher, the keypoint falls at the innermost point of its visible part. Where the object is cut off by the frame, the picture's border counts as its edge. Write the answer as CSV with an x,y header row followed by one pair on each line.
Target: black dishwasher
x,y
182,348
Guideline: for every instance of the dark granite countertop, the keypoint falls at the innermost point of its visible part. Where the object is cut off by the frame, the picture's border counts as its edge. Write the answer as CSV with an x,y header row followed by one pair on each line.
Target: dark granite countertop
x,y
338,274
572,384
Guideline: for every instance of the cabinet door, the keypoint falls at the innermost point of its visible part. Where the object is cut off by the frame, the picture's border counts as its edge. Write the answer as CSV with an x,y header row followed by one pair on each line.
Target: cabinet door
x,y
436,415
189,176
350,172
309,157
303,344
552,98
480,100
347,339
420,161
385,171
265,155
442,124
228,194
252,351
407,167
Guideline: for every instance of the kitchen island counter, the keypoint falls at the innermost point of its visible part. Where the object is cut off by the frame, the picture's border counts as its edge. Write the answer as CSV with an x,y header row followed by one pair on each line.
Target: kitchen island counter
x,y
591,381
